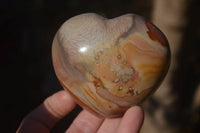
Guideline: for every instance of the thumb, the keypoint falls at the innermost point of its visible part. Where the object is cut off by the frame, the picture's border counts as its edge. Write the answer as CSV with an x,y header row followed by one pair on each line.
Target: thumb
x,y
44,117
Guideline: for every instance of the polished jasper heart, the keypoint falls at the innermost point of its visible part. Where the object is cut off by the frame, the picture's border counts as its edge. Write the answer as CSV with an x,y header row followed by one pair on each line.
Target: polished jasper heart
x,y
109,65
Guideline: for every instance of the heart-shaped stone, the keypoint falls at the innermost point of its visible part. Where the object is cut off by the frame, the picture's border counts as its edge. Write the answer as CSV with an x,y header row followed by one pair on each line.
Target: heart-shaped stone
x,y
109,65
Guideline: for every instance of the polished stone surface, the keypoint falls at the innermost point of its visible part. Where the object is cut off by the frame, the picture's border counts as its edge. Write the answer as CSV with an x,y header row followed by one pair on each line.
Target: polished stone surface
x,y
109,65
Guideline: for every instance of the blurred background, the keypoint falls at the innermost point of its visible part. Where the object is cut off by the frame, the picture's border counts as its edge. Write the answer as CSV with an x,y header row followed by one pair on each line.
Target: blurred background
x,y
27,28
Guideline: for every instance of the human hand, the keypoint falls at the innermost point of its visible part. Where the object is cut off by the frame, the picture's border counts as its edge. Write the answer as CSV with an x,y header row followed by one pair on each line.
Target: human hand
x,y
55,107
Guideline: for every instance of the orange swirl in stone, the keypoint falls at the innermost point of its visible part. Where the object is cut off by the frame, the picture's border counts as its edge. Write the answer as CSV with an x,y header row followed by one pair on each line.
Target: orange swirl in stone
x,y
110,65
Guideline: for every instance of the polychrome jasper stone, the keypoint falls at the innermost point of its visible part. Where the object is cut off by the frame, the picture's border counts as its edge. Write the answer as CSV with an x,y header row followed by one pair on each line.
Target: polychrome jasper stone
x,y
109,65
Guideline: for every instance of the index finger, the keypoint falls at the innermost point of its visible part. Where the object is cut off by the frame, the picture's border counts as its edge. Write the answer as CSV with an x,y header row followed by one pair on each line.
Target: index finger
x,y
44,117
132,120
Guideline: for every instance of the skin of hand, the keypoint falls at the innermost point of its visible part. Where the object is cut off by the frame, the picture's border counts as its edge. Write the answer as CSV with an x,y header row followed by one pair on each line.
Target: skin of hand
x,y
57,106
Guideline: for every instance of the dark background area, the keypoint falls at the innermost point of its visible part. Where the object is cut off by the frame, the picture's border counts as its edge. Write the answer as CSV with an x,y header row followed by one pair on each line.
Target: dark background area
x,y
27,28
